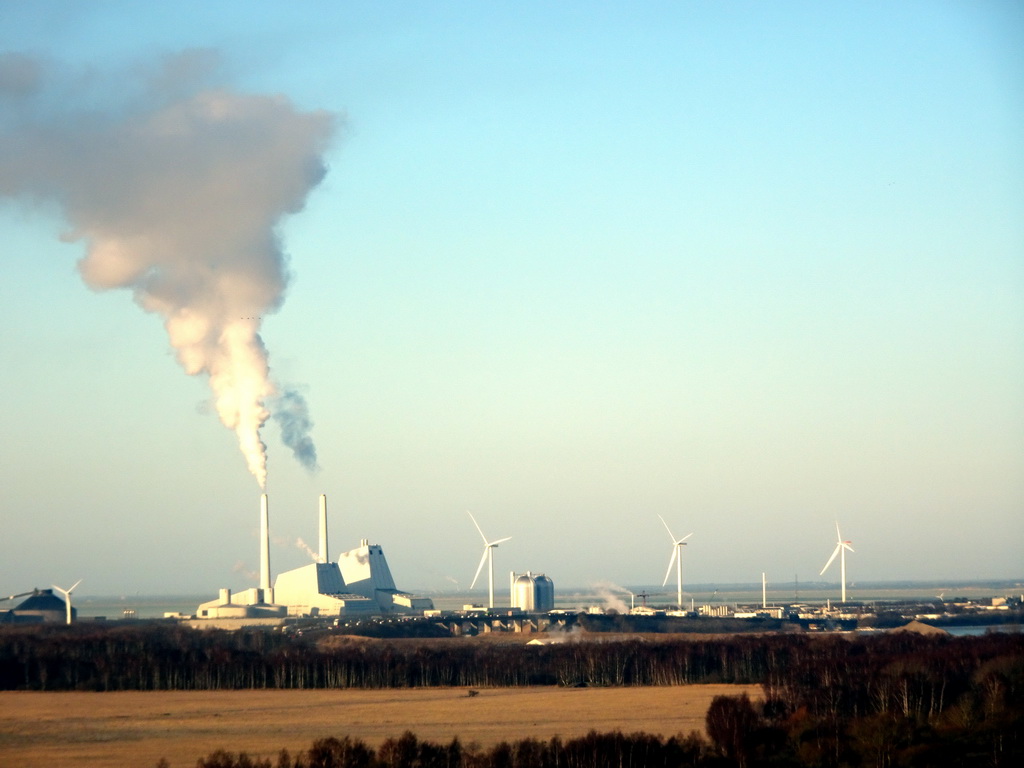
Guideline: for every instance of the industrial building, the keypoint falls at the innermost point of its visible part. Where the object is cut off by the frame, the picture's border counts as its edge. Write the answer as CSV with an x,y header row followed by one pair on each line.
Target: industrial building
x,y
359,584
42,605
532,592
365,572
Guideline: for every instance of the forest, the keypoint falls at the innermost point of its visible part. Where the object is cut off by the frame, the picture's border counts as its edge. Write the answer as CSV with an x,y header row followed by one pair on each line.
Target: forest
x,y
886,699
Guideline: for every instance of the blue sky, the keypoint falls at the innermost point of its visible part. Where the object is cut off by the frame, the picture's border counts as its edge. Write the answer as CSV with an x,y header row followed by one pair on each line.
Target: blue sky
x,y
753,267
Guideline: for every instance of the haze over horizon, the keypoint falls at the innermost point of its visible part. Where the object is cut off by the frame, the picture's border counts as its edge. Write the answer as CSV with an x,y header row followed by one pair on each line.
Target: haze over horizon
x,y
755,269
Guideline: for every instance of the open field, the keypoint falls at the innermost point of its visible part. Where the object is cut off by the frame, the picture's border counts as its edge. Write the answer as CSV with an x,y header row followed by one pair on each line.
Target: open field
x,y
104,730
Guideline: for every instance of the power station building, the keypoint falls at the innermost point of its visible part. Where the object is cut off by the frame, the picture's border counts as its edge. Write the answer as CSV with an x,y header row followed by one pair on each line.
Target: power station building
x,y
359,584
365,572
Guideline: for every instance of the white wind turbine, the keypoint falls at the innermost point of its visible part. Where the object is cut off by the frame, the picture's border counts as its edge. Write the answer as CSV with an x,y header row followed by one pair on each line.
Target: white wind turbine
x,y
67,597
488,557
841,547
677,560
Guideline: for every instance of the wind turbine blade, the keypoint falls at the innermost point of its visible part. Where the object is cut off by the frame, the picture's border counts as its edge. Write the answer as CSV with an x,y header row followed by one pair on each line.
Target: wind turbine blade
x,y
834,553
499,541
63,592
477,525
684,538
846,545
670,534
72,587
839,536
479,568
671,562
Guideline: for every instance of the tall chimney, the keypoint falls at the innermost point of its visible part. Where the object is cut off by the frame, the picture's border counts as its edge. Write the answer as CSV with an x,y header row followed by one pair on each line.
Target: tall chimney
x,y
264,544
323,529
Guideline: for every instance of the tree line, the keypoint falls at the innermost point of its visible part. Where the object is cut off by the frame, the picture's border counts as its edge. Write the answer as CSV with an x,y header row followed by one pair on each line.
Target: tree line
x,y
837,674
595,750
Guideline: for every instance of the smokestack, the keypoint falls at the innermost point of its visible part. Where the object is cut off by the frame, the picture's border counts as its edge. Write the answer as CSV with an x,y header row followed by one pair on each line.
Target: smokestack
x,y
264,545
323,529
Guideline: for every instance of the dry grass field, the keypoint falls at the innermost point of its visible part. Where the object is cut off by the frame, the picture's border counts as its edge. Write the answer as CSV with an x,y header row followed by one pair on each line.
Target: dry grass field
x,y
101,730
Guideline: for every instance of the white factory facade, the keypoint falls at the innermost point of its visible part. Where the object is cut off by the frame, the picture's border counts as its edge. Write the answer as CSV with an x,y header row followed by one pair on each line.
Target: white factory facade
x,y
358,584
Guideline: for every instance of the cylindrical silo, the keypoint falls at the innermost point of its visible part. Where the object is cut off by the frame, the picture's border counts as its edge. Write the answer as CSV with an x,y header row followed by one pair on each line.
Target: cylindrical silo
x,y
523,593
544,589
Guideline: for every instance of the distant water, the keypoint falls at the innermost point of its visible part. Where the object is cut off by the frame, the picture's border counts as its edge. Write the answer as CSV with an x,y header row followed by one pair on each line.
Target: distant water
x,y
983,629
144,606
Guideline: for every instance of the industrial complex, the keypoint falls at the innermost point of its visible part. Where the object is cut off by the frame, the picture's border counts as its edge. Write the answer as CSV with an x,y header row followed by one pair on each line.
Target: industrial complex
x,y
358,587
358,584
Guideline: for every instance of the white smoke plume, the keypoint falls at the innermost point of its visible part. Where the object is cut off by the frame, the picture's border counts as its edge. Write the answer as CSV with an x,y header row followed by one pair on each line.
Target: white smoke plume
x,y
610,593
313,555
241,567
176,187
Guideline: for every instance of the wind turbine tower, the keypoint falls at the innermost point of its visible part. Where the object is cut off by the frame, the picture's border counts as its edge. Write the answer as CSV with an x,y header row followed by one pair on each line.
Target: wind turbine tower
x,y
67,597
677,560
841,547
488,557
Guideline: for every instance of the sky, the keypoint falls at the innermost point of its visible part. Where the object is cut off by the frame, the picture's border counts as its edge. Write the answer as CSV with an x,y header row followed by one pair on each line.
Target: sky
x,y
755,268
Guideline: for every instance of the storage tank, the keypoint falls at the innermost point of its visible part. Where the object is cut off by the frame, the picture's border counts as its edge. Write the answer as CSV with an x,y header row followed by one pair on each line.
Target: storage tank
x,y
534,593
544,589
524,593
